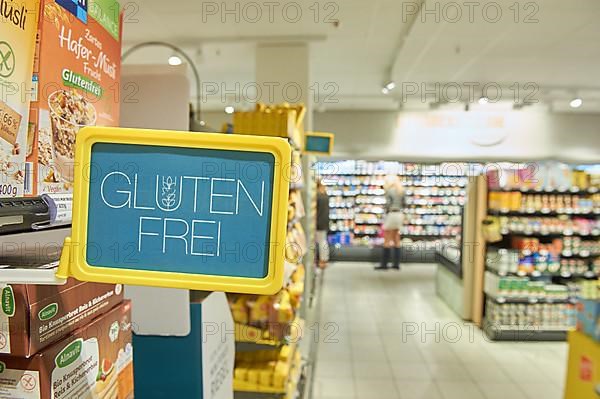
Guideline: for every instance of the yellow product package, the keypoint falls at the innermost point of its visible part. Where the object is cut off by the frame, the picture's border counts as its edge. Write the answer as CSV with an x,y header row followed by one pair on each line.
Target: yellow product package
x,y
18,26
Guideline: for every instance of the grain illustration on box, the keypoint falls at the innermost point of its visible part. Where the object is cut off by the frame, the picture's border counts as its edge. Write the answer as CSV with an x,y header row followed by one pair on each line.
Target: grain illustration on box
x,y
82,89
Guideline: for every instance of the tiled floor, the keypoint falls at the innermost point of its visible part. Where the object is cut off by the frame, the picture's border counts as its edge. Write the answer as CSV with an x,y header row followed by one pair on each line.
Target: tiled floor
x,y
387,335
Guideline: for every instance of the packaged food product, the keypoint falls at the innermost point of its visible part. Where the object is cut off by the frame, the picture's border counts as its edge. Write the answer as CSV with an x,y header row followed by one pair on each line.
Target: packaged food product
x,y
35,316
18,25
95,361
77,70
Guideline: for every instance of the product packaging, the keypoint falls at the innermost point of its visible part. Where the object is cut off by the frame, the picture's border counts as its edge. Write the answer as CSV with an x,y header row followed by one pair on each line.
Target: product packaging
x,y
588,317
77,74
34,316
95,361
18,25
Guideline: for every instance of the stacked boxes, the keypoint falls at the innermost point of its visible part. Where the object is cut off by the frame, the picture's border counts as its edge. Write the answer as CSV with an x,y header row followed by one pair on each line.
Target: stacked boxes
x,y
18,25
95,361
35,316
65,342
76,72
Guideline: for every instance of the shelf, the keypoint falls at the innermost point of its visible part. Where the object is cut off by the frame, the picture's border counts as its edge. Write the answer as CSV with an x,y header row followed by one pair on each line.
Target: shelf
x,y
36,260
525,333
571,190
433,224
424,196
495,212
402,235
585,255
530,301
548,235
536,274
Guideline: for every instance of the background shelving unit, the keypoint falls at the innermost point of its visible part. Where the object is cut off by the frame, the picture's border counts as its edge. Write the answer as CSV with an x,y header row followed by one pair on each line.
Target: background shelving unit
x,y
434,198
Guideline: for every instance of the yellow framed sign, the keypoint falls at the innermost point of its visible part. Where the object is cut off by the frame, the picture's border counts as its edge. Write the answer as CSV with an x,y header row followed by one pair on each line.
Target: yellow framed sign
x,y
318,143
197,211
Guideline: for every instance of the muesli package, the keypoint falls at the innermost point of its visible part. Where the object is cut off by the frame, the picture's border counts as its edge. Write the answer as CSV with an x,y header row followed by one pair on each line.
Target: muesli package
x,y
18,25
77,74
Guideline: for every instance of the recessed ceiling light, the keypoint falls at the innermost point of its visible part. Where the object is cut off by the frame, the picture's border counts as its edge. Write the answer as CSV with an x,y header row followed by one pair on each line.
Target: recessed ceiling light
x,y
483,100
576,102
174,60
229,109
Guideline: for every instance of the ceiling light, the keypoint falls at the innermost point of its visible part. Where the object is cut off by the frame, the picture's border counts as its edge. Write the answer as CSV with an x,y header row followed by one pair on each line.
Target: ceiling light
x,y
174,60
385,90
229,109
483,100
391,85
576,102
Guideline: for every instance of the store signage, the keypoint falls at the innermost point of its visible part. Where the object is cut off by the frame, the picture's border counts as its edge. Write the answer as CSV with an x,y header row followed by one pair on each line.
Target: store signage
x,y
318,143
178,209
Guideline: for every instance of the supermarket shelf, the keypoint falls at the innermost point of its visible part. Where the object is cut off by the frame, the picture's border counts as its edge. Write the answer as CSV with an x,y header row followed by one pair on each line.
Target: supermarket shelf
x,y
495,212
373,254
526,301
32,257
570,190
549,235
433,224
248,338
253,347
536,274
431,195
525,333
435,236
584,255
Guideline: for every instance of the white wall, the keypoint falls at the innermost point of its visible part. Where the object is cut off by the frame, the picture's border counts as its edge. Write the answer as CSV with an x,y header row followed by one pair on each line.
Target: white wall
x,y
525,135
452,135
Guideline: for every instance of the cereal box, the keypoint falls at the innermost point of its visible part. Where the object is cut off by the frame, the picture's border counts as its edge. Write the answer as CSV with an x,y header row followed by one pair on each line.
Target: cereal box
x,y
77,71
18,24
94,362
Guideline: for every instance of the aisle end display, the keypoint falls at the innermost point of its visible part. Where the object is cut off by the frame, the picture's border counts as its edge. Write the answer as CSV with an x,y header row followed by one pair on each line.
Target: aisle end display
x,y
545,230
269,327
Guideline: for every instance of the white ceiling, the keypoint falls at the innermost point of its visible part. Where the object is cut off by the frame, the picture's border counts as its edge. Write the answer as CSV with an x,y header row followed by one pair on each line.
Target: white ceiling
x,y
559,54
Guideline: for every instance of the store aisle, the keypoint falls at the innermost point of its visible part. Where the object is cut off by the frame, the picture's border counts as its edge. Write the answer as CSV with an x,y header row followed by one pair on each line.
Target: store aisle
x,y
387,335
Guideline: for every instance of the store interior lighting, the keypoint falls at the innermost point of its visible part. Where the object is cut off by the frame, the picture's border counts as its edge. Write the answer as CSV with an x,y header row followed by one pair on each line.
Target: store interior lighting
x,y
576,102
174,60
229,109
483,100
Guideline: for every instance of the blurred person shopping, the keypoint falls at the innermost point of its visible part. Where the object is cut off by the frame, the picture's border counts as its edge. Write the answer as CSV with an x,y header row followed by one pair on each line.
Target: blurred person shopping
x,y
392,222
322,224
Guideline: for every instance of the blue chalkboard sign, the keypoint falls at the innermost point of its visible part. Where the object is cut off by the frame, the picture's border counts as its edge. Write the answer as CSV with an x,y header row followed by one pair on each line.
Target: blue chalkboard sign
x,y
198,211
318,143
